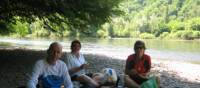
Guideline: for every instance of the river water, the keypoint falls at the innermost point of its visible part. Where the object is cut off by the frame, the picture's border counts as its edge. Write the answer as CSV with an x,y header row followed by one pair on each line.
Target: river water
x,y
178,50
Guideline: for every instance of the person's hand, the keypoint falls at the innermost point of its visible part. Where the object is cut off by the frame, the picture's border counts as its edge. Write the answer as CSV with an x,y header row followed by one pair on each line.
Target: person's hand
x,y
143,76
133,71
83,66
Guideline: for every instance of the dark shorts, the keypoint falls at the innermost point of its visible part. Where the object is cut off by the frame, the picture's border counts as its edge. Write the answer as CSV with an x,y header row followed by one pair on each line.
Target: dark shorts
x,y
139,80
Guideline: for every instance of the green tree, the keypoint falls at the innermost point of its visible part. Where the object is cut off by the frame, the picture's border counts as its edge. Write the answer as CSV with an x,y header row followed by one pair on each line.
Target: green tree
x,y
78,14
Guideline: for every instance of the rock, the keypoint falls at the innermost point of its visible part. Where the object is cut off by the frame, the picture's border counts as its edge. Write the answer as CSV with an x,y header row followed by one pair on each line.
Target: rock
x,y
16,65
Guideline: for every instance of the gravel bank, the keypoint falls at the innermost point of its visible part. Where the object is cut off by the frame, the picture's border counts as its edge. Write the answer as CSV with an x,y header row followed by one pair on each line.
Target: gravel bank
x,y
16,65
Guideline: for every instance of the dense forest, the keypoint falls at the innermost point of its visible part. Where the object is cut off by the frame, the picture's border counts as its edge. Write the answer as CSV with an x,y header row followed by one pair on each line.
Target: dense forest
x,y
148,19
179,19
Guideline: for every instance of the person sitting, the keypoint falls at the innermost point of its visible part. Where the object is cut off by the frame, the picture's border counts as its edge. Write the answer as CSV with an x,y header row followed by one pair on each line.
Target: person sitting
x,y
76,63
137,66
52,72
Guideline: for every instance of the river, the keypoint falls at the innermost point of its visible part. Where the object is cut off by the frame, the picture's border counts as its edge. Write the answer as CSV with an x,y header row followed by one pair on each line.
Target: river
x,y
178,50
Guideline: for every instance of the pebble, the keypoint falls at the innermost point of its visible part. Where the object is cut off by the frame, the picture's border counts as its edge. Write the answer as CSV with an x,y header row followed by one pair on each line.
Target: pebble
x,y
15,69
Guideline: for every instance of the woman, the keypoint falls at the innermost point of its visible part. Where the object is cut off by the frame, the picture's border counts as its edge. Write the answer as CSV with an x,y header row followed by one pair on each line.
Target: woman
x,y
77,65
137,66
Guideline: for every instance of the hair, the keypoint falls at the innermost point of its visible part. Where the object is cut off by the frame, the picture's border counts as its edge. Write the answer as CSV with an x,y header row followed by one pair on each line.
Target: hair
x,y
75,42
49,50
139,43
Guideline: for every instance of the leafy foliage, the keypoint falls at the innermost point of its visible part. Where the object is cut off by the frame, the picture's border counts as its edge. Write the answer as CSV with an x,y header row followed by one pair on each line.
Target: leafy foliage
x,y
78,14
158,17
165,19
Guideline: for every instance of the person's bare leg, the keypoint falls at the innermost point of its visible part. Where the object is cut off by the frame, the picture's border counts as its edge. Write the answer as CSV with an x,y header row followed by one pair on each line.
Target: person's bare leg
x,y
158,81
97,77
87,80
130,83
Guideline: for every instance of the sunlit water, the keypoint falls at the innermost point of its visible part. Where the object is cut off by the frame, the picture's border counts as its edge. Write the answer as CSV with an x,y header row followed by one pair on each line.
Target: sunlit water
x,y
117,48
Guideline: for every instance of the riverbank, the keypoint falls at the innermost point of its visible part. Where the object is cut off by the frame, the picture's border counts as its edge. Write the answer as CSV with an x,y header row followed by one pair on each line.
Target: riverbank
x,y
16,65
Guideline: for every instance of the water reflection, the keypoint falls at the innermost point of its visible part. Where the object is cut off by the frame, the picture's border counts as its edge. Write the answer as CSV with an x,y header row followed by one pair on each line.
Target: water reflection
x,y
117,48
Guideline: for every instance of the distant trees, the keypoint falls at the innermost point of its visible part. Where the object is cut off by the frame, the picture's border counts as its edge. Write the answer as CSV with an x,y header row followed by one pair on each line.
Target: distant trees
x,y
177,19
165,19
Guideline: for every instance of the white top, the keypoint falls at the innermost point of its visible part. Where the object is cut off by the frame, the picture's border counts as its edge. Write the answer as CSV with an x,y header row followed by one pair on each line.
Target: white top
x,y
51,75
73,61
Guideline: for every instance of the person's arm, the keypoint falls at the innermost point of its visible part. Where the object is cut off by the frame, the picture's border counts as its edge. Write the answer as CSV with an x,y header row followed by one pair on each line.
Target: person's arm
x,y
129,67
129,70
73,70
67,78
147,64
33,81
67,59
76,69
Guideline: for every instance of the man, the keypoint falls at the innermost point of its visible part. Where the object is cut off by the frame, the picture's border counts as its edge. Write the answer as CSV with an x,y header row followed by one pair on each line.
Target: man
x,y
51,71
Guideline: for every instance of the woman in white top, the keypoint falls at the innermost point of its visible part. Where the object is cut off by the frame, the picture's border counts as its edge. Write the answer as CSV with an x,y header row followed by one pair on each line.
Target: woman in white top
x,y
76,64
52,72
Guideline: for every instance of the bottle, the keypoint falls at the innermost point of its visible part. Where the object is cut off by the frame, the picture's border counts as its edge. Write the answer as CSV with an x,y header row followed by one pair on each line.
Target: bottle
x,y
120,83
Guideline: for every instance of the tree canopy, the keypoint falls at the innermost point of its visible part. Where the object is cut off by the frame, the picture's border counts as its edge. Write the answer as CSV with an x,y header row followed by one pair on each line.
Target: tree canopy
x,y
76,13
165,19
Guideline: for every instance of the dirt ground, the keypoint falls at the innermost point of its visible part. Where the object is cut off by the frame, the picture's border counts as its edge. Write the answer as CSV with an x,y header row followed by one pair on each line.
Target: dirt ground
x,y
16,66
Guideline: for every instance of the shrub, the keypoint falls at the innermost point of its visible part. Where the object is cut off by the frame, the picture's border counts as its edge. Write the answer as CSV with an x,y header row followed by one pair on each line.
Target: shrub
x,y
164,35
187,35
41,33
102,33
21,29
196,34
135,34
177,34
146,36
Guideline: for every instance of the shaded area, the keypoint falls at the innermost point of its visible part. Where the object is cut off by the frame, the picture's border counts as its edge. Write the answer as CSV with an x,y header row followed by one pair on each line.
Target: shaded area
x,y
79,16
16,65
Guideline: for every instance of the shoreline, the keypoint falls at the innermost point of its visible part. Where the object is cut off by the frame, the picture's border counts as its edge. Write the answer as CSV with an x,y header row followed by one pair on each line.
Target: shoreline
x,y
16,65
185,70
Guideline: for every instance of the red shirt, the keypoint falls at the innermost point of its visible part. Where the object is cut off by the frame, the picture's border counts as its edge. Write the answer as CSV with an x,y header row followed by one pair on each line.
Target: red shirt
x,y
142,66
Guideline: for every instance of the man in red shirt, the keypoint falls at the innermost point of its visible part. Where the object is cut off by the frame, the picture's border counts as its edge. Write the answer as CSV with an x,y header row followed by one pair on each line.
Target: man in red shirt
x,y
137,66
